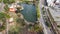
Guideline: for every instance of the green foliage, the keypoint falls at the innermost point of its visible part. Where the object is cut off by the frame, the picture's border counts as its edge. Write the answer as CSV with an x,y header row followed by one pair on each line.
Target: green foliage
x,y
2,28
2,18
0,0
11,1
48,24
35,27
8,1
20,21
6,8
18,10
5,1
14,29
26,2
7,16
38,12
4,15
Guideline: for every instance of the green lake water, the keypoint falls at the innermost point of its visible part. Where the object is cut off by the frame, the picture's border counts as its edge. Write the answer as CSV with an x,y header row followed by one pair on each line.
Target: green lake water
x,y
29,12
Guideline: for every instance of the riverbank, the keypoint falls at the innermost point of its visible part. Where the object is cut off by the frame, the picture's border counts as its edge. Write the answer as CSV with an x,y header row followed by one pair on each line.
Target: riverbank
x,y
38,12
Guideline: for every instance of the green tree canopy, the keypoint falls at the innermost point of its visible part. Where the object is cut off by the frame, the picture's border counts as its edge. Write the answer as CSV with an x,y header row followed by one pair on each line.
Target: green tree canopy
x,y
8,1
5,1
3,17
6,8
11,1
0,0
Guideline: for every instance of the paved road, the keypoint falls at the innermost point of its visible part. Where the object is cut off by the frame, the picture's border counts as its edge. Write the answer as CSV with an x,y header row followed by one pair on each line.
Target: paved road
x,y
45,29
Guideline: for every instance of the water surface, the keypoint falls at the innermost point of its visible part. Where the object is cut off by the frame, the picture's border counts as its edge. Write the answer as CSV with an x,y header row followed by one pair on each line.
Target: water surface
x,y
29,12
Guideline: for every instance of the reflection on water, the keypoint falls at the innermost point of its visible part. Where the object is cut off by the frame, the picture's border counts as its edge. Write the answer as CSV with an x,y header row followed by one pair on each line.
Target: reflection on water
x,y
29,12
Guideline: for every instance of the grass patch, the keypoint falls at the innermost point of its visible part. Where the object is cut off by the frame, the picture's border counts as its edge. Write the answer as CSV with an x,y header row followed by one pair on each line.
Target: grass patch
x,y
38,12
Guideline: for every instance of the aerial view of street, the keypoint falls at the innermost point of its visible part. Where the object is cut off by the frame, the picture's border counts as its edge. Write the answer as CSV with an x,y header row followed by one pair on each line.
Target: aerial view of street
x,y
29,17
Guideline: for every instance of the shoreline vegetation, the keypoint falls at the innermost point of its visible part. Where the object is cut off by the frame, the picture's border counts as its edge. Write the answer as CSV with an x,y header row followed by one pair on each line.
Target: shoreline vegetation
x,y
18,23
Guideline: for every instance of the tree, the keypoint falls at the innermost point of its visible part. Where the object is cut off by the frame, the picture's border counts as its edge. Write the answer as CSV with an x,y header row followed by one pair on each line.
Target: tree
x,y
20,21
35,28
14,29
3,17
11,1
8,1
5,1
0,0
6,8
18,9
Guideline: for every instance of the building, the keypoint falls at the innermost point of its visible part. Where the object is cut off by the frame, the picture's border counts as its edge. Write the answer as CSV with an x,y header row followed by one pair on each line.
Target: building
x,y
12,8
